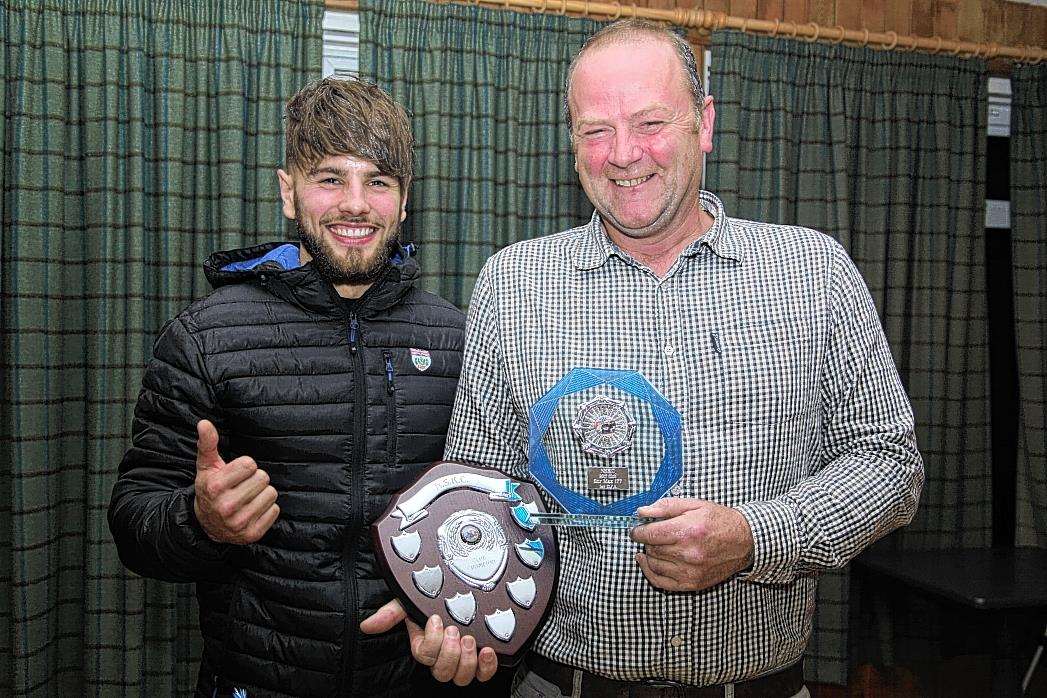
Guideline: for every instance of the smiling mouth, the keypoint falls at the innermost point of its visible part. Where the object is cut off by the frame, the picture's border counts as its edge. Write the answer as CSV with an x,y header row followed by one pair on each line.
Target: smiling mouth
x,y
631,182
352,233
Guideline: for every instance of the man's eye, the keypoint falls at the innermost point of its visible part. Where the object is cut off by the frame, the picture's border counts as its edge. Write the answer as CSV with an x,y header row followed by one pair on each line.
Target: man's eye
x,y
379,183
653,125
594,132
330,180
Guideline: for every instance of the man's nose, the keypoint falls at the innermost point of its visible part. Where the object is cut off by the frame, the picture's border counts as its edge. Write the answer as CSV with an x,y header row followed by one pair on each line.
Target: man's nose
x,y
354,200
625,150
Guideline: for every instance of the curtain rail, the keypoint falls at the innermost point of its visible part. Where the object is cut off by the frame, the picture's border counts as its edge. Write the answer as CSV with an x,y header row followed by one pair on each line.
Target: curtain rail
x,y
706,21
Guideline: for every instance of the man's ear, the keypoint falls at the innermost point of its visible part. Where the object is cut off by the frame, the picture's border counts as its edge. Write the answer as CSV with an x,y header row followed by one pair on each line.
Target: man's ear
x,y
403,201
705,130
287,193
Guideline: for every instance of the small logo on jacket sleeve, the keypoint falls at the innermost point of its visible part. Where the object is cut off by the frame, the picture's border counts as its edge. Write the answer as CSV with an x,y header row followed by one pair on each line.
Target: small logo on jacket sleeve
x,y
421,359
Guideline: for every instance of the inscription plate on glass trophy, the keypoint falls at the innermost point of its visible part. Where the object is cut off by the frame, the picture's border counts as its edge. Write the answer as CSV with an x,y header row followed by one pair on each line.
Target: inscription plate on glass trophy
x,y
461,542
604,428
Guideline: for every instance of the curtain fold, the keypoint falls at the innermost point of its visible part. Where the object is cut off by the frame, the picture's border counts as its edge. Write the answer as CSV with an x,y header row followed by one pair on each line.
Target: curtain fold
x,y
493,157
1029,263
885,151
137,137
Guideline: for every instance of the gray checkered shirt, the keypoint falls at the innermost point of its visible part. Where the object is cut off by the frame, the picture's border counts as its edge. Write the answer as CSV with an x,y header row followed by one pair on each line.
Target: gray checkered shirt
x,y
765,339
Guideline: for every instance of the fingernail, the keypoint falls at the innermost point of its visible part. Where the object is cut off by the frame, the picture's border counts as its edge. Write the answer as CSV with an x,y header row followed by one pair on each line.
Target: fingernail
x,y
452,631
435,620
468,642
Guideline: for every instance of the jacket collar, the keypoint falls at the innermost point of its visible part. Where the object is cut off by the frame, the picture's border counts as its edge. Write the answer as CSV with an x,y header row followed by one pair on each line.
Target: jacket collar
x,y
275,267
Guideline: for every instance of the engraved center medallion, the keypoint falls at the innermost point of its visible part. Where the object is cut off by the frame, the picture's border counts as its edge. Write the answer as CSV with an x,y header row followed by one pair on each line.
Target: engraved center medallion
x,y
474,546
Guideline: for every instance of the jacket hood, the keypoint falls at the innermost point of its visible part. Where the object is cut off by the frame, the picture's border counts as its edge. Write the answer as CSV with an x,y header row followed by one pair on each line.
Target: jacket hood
x,y
276,267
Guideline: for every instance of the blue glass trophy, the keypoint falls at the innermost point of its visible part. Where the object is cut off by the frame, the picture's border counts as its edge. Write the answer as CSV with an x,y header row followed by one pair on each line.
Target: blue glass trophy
x,y
604,428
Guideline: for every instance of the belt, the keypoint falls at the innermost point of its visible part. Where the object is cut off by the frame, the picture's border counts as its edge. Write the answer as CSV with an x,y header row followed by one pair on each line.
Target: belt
x,y
781,684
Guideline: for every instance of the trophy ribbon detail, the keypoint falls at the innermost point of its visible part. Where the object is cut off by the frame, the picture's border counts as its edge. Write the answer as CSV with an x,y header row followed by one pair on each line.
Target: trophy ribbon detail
x,y
413,510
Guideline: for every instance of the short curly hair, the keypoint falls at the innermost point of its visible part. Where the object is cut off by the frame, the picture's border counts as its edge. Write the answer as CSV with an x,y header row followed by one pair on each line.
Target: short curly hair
x,y
352,117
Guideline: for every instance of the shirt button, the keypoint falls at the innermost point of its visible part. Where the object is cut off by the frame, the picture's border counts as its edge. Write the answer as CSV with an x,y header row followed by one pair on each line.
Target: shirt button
x,y
669,349
676,641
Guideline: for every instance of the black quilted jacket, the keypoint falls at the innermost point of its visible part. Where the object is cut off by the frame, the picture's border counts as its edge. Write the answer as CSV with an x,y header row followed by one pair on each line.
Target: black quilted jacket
x,y
341,408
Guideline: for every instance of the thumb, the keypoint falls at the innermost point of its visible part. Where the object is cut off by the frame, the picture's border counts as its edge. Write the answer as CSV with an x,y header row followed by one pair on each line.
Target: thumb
x,y
207,456
385,618
669,507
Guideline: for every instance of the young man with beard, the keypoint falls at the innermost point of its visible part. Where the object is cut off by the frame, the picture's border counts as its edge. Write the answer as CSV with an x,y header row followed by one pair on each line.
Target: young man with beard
x,y
797,443
280,413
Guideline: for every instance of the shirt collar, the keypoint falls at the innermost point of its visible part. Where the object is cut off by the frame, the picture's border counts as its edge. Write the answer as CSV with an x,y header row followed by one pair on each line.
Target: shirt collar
x,y
594,247
721,237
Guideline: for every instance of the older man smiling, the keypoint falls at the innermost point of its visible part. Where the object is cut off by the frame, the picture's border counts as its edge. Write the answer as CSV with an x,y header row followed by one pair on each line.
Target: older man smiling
x,y
797,436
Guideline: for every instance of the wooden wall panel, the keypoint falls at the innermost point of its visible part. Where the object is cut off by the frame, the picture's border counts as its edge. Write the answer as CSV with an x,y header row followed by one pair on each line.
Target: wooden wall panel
x,y
945,19
967,20
1032,24
770,9
822,12
923,14
796,11
848,13
740,8
874,15
993,26
970,19
899,16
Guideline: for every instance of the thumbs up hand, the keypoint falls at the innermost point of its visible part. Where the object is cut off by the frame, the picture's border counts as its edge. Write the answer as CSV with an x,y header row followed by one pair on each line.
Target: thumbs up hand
x,y
234,501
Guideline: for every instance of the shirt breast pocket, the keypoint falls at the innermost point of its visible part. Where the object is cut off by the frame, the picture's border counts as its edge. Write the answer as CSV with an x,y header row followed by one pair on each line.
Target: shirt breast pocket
x,y
769,371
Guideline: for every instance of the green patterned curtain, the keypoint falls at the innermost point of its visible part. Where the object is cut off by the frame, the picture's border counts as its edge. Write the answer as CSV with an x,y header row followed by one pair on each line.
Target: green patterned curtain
x,y
493,158
1029,239
885,151
137,137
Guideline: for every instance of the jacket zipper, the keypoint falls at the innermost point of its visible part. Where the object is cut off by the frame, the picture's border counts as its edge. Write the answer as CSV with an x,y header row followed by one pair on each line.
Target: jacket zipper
x,y
356,506
390,391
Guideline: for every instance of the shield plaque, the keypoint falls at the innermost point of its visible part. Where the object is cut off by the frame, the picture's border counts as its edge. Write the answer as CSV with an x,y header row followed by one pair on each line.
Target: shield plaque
x,y
451,544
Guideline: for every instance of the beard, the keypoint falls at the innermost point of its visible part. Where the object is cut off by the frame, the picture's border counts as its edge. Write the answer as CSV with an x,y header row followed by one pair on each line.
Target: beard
x,y
354,268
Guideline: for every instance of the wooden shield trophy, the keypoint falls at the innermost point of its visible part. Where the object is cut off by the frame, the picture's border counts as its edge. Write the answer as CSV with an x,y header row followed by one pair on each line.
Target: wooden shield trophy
x,y
461,542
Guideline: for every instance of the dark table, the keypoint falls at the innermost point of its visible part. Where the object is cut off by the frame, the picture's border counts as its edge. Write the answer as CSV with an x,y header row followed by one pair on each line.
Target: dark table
x,y
998,581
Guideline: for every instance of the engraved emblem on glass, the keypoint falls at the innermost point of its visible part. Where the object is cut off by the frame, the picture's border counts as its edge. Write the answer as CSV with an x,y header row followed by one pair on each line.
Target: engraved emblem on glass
x,y
604,427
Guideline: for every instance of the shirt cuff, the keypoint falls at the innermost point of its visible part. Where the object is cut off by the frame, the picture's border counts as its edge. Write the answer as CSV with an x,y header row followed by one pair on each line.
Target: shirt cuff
x,y
776,542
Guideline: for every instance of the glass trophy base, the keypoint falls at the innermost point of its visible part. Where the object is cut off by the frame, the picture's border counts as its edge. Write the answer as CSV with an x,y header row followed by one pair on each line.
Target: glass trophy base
x,y
590,520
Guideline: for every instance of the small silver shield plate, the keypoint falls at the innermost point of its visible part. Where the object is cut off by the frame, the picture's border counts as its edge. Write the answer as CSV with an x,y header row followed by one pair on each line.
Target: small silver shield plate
x,y
502,624
407,546
522,591
531,552
462,607
429,580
